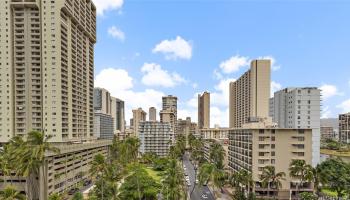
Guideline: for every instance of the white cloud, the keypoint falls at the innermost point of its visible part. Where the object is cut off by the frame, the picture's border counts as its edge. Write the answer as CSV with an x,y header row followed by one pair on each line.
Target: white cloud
x,y
275,87
274,65
345,106
194,85
219,116
120,85
329,91
326,112
174,49
154,75
221,96
105,5
234,64
116,33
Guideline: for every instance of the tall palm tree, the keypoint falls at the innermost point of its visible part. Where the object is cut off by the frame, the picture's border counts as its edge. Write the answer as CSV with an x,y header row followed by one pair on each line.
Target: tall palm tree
x,y
241,179
300,170
271,178
317,178
173,181
32,163
5,162
10,193
217,154
209,172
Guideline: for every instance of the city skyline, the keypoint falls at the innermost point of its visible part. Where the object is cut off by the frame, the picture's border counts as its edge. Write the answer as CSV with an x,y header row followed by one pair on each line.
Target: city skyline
x,y
306,50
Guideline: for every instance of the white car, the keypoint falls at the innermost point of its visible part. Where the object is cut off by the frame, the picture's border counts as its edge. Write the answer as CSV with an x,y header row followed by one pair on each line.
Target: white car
x,y
197,181
204,196
188,183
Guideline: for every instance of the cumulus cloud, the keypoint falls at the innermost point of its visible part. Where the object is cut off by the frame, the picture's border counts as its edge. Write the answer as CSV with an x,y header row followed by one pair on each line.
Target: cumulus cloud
x,y
174,49
116,33
345,106
106,5
329,91
234,64
120,85
275,87
154,75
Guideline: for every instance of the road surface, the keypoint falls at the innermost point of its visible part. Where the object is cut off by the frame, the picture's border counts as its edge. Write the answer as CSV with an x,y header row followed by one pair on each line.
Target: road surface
x,y
199,189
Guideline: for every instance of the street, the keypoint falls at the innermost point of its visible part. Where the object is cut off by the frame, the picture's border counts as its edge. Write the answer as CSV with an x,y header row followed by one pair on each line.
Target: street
x,y
199,189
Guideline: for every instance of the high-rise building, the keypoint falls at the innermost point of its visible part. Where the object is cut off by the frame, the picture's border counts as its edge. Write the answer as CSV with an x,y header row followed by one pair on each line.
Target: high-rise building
x,y
344,127
249,95
299,108
204,110
169,104
118,114
102,101
168,116
47,68
252,149
138,116
186,127
155,137
152,114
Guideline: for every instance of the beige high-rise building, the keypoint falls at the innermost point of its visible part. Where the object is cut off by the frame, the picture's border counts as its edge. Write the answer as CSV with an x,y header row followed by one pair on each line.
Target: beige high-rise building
x,y
204,110
152,114
118,114
249,95
138,116
47,68
168,116
102,101
169,104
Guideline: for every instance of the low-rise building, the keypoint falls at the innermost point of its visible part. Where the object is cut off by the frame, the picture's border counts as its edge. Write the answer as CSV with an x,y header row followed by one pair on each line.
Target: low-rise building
x,y
253,148
155,137
328,132
344,127
64,170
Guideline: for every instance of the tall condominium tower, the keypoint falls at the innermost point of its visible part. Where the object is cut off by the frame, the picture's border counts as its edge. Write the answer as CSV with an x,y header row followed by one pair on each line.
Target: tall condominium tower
x,y
138,116
299,108
249,95
169,105
47,68
102,100
152,114
344,127
204,110
118,114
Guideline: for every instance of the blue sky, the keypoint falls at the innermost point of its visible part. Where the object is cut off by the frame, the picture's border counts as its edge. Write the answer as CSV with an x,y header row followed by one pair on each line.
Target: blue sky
x,y
146,49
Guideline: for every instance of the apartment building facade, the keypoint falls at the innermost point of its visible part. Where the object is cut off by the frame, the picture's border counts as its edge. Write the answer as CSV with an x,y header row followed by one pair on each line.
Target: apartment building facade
x,y
152,114
299,108
204,110
169,104
138,116
155,137
46,72
344,127
249,95
252,149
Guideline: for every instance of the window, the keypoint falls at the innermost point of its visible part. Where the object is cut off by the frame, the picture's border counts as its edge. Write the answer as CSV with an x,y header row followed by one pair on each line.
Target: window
x,y
273,161
273,138
261,131
272,146
272,153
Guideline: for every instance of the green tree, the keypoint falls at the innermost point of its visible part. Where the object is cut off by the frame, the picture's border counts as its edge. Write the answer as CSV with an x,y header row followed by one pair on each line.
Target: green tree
x,y
298,169
209,172
31,159
56,196
78,196
308,196
217,154
173,182
336,175
10,193
272,179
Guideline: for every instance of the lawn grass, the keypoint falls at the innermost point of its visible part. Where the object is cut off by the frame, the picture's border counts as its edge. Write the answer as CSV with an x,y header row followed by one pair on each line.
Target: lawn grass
x,y
154,174
335,153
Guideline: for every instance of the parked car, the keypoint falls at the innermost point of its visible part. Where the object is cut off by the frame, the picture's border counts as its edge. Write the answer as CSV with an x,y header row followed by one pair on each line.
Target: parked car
x,y
204,196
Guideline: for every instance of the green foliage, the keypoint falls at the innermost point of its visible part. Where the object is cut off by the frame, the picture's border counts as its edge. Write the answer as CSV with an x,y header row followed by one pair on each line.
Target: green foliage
x,y
173,184
56,196
308,196
336,175
78,196
10,193
139,185
217,154
160,164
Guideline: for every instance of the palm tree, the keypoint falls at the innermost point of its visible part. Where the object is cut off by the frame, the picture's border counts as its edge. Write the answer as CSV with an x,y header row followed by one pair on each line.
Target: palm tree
x,y
241,178
269,178
32,159
5,162
217,154
173,181
209,172
10,193
300,170
317,178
